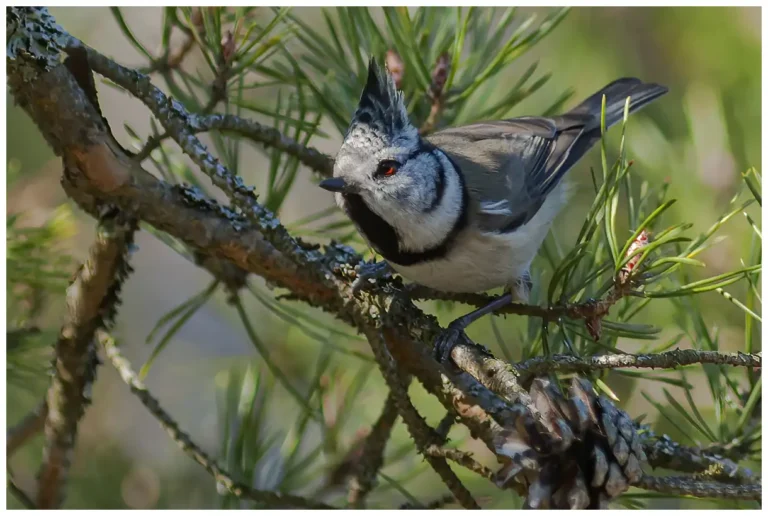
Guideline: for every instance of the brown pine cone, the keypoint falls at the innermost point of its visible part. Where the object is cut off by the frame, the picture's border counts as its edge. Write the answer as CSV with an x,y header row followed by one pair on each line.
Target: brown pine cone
x,y
580,452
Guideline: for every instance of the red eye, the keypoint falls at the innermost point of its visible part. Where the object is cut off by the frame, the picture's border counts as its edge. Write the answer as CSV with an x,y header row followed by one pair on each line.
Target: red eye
x,y
387,168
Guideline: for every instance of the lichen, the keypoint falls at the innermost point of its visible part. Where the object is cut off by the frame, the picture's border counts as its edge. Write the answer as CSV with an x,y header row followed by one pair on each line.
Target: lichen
x,y
33,33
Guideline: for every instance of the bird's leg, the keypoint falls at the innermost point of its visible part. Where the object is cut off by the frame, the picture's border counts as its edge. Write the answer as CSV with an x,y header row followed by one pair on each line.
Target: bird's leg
x,y
450,337
368,273
518,293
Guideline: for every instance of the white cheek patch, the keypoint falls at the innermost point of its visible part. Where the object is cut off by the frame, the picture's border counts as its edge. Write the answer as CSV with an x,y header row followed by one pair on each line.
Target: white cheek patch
x,y
419,228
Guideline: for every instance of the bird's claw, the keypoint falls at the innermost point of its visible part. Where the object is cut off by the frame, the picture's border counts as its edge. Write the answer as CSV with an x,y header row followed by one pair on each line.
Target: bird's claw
x,y
452,336
368,274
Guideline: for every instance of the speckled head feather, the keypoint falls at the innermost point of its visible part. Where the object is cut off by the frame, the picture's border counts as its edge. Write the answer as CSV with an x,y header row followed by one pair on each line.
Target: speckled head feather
x,y
381,111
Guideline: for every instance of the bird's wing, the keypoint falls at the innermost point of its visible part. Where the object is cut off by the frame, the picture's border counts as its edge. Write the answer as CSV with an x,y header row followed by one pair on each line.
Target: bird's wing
x,y
511,165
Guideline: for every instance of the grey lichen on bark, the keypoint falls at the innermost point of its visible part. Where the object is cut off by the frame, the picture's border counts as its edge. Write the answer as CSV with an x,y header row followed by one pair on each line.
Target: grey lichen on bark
x,y
485,393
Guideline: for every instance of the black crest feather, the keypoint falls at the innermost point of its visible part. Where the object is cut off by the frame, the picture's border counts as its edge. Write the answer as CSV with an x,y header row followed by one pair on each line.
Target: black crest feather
x,y
381,106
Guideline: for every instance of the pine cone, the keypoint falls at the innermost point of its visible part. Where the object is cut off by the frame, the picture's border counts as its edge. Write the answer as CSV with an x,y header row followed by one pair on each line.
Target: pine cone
x,y
575,452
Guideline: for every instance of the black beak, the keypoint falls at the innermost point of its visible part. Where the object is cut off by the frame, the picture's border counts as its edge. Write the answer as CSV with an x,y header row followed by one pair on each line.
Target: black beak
x,y
334,184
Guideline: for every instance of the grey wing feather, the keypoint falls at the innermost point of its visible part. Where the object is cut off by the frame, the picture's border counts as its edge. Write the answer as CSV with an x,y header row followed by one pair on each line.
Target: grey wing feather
x,y
507,167
510,166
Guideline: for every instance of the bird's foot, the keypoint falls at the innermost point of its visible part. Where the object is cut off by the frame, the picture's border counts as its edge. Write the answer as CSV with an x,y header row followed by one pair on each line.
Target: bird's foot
x,y
451,337
368,273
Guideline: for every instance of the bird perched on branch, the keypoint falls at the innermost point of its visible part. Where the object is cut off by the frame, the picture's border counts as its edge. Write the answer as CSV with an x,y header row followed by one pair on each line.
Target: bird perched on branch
x,y
464,209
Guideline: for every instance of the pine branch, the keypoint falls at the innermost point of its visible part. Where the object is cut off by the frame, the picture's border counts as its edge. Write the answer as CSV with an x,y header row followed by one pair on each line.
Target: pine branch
x,y
703,489
487,398
662,452
269,136
188,446
463,458
92,299
436,93
31,425
420,431
666,360
665,453
177,122
364,477
586,310
435,504
19,493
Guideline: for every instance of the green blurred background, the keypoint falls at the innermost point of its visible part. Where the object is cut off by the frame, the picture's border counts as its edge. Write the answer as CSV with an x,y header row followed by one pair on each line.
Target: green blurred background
x,y
700,137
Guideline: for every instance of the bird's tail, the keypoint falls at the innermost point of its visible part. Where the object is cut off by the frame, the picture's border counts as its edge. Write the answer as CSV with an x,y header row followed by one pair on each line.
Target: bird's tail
x,y
616,94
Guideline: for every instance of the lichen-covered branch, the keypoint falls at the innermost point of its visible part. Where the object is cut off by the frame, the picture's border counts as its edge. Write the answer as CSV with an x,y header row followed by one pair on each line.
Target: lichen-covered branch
x,y
174,117
666,360
182,439
91,304
665,453
461,457
269,136
485,393
701,488
423,435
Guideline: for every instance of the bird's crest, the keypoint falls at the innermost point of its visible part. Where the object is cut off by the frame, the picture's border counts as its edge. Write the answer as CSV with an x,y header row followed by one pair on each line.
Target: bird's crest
x,y
381,108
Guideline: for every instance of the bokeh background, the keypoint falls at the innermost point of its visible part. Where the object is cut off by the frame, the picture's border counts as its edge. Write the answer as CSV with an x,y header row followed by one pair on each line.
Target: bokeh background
x,y
699,138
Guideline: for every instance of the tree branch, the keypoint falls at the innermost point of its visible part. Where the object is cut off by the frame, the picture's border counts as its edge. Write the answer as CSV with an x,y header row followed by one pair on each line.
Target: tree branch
x,y
364,477
188,446
488,397
19,493
269,136
31,425
177,122
423,435
665,453
702,489
463,458
585,310
91,303
666,360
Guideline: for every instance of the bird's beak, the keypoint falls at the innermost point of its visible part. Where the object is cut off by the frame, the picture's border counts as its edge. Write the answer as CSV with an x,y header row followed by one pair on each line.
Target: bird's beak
x,y
334,184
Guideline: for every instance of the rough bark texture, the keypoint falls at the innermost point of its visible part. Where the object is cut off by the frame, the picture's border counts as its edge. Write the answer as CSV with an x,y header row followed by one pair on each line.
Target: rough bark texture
x,y
483,392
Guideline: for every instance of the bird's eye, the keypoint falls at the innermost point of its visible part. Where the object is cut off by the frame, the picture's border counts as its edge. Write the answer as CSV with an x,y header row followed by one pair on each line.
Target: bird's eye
x,y
387,168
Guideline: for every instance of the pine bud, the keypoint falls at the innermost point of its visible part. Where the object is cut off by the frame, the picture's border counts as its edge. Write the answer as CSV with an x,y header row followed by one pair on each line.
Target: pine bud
x,y
396,67
228,47
440,75
641,241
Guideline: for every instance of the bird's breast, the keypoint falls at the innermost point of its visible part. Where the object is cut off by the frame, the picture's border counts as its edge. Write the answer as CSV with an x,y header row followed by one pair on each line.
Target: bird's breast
x,y
475,263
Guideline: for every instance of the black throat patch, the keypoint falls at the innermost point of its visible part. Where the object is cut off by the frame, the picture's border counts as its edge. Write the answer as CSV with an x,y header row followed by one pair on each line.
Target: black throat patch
x,y
383,237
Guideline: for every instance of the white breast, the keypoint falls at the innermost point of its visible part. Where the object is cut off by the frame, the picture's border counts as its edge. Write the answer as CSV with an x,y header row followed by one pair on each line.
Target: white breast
x,y
481,261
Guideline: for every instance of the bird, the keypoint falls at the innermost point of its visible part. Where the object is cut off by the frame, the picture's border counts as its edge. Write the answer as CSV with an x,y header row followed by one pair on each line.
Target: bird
x,y
464,209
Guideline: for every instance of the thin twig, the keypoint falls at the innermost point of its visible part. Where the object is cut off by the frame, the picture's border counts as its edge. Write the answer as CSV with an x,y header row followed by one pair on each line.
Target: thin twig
x,y
171,60
372,458
31,425
463,458
666,360
702,489
185,442
436,93
434,504
91,303
445,425
19,493
585,310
